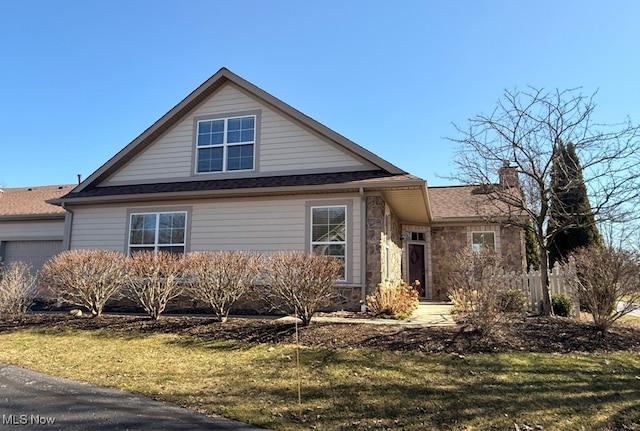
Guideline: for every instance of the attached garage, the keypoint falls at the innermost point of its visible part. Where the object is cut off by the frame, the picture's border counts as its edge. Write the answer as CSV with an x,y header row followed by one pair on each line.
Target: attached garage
x,y
34,253
31,230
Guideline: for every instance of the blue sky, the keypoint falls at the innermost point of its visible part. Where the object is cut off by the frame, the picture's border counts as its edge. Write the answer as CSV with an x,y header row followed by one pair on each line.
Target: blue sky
x,y
79,80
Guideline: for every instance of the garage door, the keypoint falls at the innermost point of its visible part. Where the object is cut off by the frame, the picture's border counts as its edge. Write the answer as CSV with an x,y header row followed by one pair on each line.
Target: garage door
x,y
35,253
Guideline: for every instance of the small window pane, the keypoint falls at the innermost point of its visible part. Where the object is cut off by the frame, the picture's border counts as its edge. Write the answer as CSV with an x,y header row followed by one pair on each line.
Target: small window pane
x,y
204,127
240,157
210,159
204,140
248,123
217,126
246,136
177,236
319,233
233,137
234,124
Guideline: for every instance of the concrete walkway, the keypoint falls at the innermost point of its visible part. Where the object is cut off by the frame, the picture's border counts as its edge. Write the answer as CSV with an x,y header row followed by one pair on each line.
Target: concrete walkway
x,y
31,400
427,314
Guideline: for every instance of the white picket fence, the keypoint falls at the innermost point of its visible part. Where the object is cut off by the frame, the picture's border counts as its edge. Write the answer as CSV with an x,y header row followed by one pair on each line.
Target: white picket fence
x,y
531,284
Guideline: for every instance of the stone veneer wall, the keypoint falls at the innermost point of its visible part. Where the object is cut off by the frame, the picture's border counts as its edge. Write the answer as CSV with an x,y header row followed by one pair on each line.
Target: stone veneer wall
x,y
513,247
383,228
446,240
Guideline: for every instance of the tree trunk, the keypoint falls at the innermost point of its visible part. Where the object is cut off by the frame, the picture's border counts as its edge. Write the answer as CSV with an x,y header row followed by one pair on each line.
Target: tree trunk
x,y
544,280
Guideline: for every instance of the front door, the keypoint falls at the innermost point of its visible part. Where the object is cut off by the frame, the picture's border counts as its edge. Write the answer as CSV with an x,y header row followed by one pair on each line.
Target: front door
x,y
416,267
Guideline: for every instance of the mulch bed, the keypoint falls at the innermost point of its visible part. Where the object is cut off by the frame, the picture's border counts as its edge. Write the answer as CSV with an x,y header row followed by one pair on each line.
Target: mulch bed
x,y
526,334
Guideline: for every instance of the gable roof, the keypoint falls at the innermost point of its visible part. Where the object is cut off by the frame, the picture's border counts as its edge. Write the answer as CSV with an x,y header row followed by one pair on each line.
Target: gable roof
x,y
202,93
30,202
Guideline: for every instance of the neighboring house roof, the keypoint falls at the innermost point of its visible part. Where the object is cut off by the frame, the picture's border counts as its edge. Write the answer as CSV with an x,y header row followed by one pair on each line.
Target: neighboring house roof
x,y
30,202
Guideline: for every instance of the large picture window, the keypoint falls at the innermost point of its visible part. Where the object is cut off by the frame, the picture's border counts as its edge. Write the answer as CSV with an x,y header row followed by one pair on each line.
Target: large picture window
x,y
329,233
158,231
226,144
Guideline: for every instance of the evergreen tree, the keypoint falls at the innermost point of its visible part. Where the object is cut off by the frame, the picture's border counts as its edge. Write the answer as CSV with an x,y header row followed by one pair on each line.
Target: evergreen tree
x,y
531,248
571,219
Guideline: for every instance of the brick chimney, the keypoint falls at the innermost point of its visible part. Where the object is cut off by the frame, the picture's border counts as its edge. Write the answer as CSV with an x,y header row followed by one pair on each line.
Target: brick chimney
x,y
508,175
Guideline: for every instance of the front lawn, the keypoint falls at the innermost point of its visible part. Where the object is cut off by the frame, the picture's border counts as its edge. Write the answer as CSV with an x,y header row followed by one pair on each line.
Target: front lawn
x,y
342,388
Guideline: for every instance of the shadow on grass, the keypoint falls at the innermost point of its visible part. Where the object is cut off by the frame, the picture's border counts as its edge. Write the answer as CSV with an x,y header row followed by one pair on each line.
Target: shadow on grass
x,y
342,391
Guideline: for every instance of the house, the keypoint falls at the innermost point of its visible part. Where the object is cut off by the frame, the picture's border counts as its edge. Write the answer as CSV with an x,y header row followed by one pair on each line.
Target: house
x,y
233,168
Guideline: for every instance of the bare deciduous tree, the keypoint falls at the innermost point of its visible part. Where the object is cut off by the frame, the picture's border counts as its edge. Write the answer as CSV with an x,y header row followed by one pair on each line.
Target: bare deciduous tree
x,y
220,278
607,281
302,282
155,278
86,278
522,133
17,288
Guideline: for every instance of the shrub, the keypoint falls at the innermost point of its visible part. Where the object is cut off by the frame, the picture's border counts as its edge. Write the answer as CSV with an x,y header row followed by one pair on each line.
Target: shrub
x,y
512,301
155,278
606,281
475,284
86,278
301,282
220,278
394,299
17,288
561,305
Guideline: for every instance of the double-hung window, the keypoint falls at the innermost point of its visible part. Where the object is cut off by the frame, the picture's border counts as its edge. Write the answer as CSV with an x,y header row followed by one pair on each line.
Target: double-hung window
x,y
481,241
226,144
329,233
158,231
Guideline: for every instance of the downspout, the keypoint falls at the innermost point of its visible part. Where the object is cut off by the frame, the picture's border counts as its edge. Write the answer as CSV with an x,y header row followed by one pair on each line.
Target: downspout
x,y
363,251
68,226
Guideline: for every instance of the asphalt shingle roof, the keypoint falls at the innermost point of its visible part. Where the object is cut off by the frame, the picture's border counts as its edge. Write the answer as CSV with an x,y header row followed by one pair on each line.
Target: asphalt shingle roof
x,y
29,201
463,202
340,178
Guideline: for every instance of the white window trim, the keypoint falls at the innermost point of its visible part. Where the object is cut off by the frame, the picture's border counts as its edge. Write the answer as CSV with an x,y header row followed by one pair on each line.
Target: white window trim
x,y
155,244
346,235
225,145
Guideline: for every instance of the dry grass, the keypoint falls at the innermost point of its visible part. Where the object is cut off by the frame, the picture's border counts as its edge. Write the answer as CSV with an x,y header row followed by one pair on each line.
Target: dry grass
x,y
345,388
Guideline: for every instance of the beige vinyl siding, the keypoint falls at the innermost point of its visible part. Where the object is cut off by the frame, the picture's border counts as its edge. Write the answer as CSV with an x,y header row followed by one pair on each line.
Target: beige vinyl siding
x,y
34,230
258,224
102,228
283,145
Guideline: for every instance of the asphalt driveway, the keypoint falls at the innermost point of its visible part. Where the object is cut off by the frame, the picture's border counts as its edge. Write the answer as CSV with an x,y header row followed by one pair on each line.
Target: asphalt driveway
x,y
30,400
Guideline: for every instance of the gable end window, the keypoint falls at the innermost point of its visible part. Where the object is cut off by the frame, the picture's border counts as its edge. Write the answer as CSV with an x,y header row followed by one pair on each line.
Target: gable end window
x,y
481,241
157,231
329,233
226,144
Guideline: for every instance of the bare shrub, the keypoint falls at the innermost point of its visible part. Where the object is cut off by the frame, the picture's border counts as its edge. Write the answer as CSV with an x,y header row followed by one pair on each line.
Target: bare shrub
x,y
18,288
86,278
220,278
606,281
301,282
155,278
394,299
476,285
